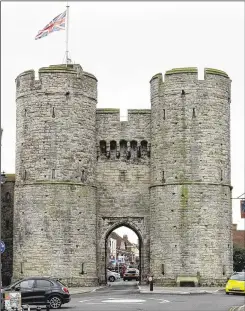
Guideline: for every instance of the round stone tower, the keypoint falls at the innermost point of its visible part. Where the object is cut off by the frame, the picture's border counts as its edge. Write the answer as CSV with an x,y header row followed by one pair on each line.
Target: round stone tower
x,y
55,193
191,214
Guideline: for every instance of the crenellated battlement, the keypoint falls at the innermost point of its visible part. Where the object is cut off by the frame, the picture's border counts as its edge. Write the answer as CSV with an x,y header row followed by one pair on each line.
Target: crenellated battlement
x,y
187,74
55,78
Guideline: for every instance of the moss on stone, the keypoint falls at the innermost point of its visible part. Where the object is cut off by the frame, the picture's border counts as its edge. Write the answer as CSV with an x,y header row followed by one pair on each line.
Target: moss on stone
x,y
216,72
181,70
137,111
57,68
184,196
61,182
108,110
10,177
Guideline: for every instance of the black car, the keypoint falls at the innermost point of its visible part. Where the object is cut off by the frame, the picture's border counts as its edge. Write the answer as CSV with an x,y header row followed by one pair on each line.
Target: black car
x,y
39,290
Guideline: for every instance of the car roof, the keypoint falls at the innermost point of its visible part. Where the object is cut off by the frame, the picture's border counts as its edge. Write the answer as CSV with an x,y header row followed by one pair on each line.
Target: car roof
x,y
39,278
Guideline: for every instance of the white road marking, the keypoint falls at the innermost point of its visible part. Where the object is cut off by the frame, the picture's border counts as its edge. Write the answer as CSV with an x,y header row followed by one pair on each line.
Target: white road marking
x,y
125,300
160,300
164,301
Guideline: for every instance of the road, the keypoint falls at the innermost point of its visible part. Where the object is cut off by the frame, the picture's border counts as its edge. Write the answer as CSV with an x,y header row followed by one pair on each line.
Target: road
x,y
125,296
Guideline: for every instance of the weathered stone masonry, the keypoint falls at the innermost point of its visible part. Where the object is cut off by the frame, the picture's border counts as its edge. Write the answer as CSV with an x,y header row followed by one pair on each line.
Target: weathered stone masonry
x,y
81,173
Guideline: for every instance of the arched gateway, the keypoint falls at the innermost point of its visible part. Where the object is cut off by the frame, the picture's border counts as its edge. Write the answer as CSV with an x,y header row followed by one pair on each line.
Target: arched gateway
x,y
108,225
81,172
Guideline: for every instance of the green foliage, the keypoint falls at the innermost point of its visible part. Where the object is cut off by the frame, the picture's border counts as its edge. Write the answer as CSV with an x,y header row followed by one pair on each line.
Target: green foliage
x,y
238,258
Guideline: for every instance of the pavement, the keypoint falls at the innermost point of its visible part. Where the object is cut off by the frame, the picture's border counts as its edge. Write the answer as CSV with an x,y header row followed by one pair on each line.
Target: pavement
x,y
145,289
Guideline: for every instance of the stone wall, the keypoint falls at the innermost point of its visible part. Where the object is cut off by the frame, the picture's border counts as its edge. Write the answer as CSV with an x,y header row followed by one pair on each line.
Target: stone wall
x,y
164,173
190,211
7,207
55,193
123,175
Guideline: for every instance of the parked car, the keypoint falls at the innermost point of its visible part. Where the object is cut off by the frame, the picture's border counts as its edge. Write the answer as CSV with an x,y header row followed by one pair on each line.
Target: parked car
x,y
112,276
39,290
236,283
131,274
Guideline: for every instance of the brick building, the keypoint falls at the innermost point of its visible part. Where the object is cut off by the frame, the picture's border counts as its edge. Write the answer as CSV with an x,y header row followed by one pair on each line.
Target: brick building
x,y
7,205
238,237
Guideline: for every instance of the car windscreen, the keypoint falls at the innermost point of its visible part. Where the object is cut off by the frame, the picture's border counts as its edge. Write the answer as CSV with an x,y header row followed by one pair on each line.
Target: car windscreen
x,y
238,277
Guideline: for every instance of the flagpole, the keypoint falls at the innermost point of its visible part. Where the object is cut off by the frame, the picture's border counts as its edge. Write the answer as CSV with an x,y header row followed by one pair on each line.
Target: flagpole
x,y
67,28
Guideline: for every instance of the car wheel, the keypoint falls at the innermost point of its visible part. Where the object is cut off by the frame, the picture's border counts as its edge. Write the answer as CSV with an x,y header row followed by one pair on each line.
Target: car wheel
x,y
124,279
227,293
111,278
55,302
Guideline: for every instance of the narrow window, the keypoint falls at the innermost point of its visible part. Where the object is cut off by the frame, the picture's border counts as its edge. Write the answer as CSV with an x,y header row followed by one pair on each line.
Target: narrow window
x,y
144,148
123,148
53,173
53,115
193,113
24,175
25,112
102,147
221,175
134,149
113,149
83,176
164,115
163,177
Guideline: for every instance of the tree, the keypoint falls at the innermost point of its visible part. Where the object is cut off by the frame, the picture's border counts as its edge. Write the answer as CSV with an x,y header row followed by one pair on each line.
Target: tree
x,y
238,258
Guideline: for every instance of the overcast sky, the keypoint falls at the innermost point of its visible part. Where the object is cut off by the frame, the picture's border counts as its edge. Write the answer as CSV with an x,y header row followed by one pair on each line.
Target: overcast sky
x,y
124,44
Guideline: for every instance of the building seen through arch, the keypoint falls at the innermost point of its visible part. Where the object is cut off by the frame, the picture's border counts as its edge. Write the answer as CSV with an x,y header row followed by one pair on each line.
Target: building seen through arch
x,y
122,253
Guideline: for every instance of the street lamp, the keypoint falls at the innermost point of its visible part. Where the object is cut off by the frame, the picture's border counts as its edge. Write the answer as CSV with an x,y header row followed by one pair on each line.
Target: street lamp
x,y
3,180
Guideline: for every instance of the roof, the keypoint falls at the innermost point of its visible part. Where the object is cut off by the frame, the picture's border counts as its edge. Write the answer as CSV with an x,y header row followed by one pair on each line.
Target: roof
x,y
119,240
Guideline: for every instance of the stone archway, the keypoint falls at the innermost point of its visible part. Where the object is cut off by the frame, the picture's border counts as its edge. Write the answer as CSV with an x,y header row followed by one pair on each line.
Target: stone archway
x,y
108,225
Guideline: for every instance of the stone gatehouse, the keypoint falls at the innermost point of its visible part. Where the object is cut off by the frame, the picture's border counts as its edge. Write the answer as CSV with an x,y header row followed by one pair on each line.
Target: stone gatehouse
x,y
81,173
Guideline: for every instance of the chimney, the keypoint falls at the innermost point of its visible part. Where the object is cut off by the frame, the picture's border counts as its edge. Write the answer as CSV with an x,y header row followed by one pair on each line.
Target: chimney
x,y
125,237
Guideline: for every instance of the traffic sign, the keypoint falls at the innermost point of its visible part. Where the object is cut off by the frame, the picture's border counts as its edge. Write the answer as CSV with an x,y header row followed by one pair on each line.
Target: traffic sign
x,y
242,202
2,246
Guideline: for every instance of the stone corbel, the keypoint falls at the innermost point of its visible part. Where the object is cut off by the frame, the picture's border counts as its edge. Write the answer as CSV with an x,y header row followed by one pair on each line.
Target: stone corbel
x,y
149,150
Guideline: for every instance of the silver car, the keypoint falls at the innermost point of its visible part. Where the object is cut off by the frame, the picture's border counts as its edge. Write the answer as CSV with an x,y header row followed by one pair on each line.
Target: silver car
x,y
112,276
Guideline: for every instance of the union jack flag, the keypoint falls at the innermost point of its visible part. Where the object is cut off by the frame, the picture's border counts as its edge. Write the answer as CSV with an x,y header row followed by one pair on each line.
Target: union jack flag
x,y
58,23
